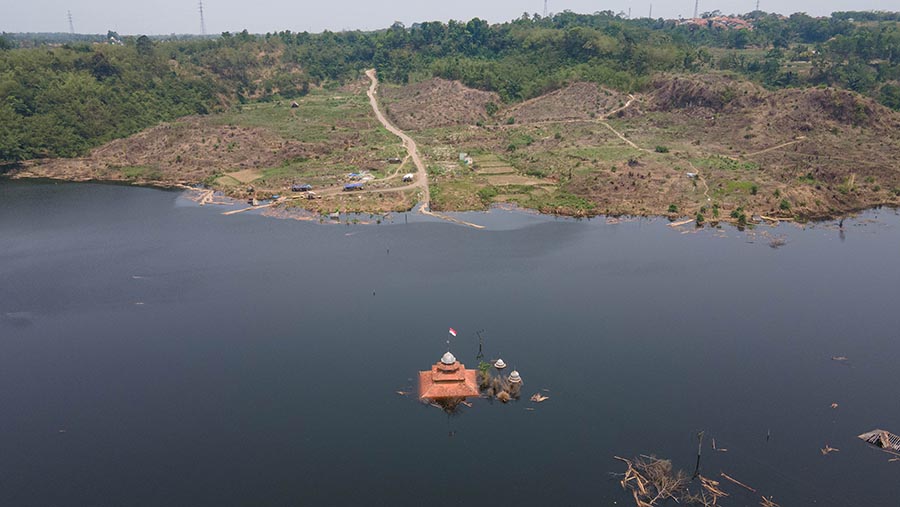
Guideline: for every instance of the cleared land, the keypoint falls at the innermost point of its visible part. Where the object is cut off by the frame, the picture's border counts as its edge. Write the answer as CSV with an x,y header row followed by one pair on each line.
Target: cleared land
x,y
703,144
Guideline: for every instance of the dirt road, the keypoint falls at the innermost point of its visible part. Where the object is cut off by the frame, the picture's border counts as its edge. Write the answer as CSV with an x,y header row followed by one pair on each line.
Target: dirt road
x,y
410,145
421,181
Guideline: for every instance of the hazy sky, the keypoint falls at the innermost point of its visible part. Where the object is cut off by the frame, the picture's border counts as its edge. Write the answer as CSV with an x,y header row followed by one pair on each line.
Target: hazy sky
x,y
260,16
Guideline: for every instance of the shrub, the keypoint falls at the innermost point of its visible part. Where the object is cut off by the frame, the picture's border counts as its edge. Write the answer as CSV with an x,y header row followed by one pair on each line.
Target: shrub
x,y
673,208
487,193
662,149
785,205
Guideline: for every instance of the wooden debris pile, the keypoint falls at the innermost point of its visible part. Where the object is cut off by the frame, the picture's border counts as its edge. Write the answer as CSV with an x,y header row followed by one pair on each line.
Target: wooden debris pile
x,y
882,439
653,482
538,398
828,450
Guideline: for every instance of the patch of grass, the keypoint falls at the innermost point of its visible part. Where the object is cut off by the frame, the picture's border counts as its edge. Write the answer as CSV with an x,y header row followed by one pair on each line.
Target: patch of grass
x,y
744,187
140,173
725,163
487,194
562,200
848,186
808,179
604,153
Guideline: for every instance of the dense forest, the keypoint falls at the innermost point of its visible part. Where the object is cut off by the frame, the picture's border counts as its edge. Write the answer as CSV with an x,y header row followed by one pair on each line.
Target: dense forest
x,y
61,99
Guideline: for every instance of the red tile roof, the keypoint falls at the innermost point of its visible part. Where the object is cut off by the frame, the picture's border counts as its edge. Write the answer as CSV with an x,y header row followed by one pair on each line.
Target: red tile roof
x,y
447,381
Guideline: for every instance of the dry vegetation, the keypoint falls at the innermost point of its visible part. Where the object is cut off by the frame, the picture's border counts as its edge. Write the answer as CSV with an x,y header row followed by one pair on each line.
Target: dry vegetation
x,y
580,150
792,153
436,103
268,146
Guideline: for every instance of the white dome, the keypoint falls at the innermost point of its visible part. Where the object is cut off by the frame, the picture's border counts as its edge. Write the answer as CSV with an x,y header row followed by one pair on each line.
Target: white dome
x,y
448,358
514,377
499,364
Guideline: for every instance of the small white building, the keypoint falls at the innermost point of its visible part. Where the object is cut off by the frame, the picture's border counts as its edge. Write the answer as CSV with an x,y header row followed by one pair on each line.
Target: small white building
x,y
408,177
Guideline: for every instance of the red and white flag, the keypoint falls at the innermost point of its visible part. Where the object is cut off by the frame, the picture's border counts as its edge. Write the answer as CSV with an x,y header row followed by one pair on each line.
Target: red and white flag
x,y
452,331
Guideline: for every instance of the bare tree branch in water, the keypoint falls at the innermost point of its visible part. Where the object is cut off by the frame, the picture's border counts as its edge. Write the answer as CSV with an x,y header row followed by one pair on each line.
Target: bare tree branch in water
x,y
653,481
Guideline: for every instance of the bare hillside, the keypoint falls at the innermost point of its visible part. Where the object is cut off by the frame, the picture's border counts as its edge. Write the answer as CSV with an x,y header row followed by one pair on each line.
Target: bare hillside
x,y
579,101
436,103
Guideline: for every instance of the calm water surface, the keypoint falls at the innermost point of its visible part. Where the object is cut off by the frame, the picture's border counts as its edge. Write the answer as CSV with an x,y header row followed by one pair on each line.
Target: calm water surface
x,y
153,352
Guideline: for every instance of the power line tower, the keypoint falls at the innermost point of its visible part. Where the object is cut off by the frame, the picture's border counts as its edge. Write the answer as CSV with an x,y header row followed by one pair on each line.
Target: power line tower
x,y
696,6
757,5
545,8
651,12
71,25
202,22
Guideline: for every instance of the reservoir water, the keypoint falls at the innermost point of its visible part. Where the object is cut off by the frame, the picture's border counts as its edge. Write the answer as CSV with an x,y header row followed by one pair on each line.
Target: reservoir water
x,y
153,352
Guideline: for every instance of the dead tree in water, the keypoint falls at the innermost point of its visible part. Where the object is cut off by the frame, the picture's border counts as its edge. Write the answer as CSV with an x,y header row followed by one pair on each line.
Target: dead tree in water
x,y
699,450
652,480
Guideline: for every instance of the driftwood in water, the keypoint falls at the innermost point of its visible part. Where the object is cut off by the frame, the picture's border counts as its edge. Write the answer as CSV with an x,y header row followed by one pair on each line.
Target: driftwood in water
x,y
828,450
652,480
739,483
539,398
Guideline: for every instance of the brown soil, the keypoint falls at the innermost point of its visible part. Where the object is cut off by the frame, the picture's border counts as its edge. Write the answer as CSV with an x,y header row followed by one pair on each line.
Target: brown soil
x,y
436,103
708,91
188,151
579,101
822,152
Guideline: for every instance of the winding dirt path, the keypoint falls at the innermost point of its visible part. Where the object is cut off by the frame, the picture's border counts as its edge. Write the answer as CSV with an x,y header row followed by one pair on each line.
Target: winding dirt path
x,y
421,182
773,148
410,145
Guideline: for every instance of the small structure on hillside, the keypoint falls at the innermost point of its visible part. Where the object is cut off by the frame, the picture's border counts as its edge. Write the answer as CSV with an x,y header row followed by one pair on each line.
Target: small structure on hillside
x,y
447,383
408,177
294,104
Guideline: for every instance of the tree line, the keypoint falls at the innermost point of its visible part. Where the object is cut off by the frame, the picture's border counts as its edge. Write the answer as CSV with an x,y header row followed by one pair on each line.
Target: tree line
x,y
63,99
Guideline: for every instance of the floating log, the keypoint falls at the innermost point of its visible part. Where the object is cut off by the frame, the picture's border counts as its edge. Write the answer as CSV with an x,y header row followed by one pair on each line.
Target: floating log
x,y
683,222
739,483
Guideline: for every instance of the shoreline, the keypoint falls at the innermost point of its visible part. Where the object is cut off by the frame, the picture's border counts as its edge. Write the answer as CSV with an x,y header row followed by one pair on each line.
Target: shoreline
x,y
675,220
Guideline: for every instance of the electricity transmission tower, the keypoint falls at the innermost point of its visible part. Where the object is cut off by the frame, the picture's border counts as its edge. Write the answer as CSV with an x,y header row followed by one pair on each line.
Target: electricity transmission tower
x,y
696,5
202,22
71,25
